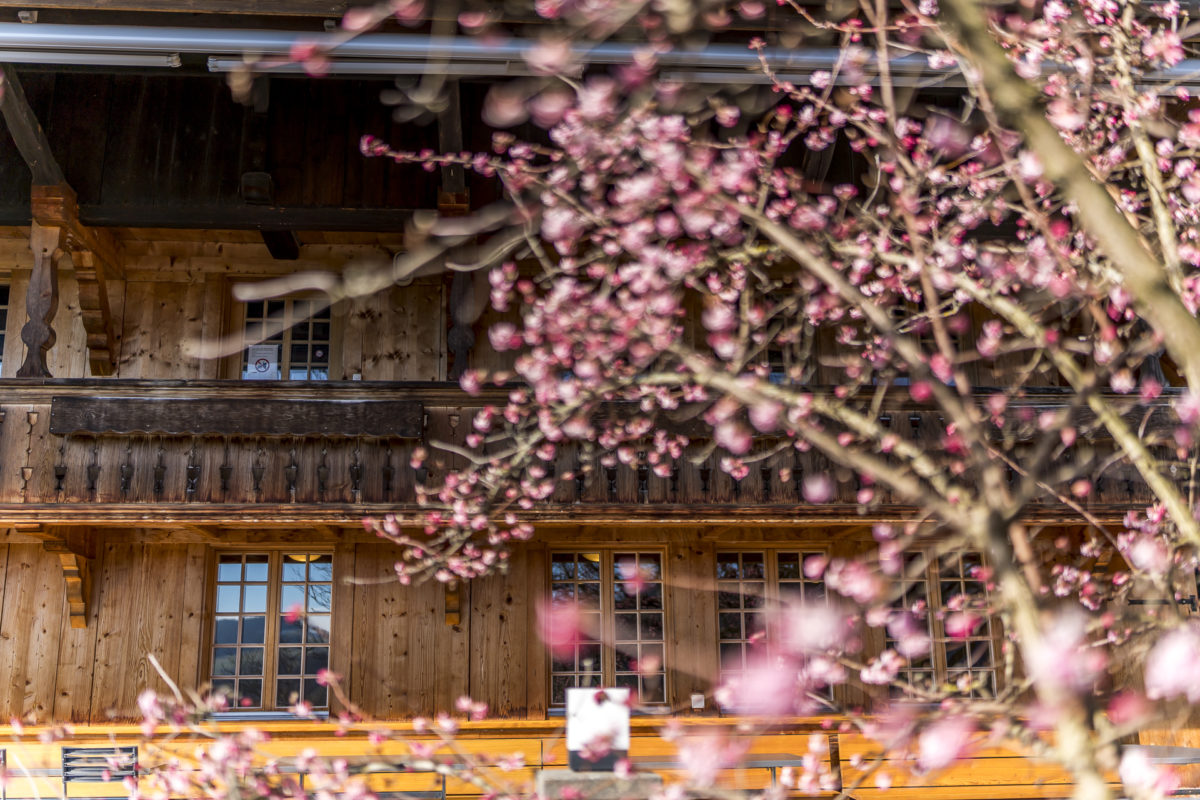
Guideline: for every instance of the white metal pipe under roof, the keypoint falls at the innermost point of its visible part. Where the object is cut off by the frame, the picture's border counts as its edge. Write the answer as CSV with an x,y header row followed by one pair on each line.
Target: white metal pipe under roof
x,y
398,54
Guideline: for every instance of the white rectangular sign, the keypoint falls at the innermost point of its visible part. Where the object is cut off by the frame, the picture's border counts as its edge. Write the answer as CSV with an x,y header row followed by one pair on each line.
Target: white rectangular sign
x,y
262,362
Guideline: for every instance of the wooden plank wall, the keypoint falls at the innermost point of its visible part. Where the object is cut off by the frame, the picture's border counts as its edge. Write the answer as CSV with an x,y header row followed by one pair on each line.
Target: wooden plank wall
x,y
399,655
145,600
177,292
150,598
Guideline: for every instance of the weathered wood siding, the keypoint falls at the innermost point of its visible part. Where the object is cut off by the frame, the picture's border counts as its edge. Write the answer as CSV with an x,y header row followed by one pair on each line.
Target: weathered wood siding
x,y
179,293
399,656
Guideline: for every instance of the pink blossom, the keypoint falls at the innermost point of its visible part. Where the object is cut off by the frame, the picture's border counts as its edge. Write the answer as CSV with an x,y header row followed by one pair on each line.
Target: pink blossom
x,y
946,740
1141,776
818,488
1171,665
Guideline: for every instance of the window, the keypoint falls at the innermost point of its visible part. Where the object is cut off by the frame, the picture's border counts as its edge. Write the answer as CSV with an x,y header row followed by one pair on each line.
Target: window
x,y
748,583
300,348
964,661
620,639
271,628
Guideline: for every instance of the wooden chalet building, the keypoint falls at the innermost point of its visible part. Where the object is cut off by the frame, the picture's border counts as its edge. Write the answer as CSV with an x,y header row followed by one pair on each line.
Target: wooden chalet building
x,y
155,503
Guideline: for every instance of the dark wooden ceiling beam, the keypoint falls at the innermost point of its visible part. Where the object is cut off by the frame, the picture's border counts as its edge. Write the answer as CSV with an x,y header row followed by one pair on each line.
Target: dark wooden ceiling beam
x,y
26,131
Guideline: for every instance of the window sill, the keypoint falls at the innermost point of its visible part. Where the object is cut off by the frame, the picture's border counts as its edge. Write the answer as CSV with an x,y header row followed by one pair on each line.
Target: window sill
x,y
257,716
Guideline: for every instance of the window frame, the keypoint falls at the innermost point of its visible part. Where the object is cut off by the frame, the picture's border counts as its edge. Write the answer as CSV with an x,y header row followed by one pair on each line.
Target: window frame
x,y
936,625
234,365
772,593
607,612
275,554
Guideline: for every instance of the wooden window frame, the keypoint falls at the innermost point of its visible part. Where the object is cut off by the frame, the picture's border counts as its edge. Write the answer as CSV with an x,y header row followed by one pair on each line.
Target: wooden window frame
x,y
233,365
608,611
936,626
772,594
271,644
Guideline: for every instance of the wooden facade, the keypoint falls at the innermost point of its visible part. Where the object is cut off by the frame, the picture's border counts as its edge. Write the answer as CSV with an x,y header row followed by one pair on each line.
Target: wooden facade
x,y
120,494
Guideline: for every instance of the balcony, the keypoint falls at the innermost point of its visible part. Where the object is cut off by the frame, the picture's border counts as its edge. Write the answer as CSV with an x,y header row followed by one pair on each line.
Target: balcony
x,y
146,452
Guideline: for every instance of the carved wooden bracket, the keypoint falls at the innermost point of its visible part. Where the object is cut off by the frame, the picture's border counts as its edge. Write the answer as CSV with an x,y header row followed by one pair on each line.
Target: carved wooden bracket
x,y
454,598
75,551
97,258
77,575
41,300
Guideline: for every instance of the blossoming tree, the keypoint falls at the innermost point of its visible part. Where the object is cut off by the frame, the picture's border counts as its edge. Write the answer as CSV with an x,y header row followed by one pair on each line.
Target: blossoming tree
x,y
966,201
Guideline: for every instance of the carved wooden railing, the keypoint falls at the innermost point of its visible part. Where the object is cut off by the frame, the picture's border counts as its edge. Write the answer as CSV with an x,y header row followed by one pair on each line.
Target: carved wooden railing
x,y
81,449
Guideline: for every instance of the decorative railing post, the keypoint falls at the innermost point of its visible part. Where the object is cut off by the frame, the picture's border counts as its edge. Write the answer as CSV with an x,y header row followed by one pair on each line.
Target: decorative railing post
x,y
41,301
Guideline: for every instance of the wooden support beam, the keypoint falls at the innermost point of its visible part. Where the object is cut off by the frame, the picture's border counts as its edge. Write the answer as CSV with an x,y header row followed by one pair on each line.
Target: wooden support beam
x,y
57,205
26,131
41,301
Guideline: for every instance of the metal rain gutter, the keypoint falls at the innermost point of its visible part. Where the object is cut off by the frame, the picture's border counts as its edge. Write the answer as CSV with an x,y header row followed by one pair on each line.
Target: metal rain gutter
x,y
398,54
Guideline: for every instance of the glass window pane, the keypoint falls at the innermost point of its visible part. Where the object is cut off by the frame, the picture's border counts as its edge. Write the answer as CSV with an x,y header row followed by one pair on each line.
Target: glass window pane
x,y
318,597
226,630
626,627
321,568
651,596
650,565
224,661
254,630
251,661
653,689
315,693
588,566
626,660
250,693
318,628
589,595
254,599
290,662
287,691
622,600
315,660
730,598
229,569
291,597
256,568
753,566
652,627
229,599
293,570
789,566
589,657
291,632
730,625
558,688
727,565
562,567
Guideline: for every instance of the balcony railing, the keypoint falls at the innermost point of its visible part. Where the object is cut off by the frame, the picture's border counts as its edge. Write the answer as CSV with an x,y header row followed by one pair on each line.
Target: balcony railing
x,y
94,449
